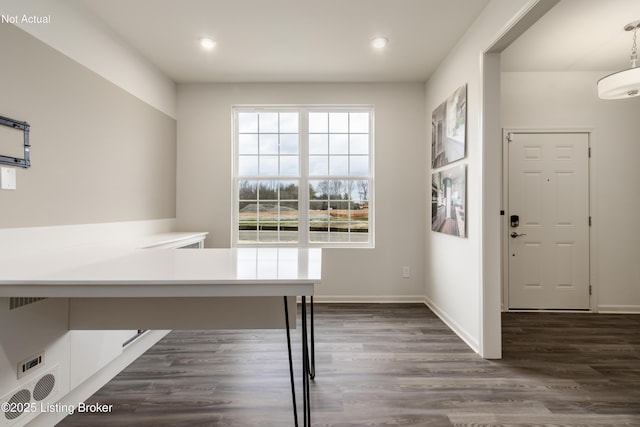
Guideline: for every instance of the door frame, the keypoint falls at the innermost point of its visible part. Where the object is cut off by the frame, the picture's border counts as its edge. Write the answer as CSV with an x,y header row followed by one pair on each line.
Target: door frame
x,y
593,300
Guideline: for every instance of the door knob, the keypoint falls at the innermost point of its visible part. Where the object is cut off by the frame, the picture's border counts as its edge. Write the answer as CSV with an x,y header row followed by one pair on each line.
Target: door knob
x,y
514,234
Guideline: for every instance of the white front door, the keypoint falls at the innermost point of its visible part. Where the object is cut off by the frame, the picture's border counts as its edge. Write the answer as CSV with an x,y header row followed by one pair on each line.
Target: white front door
x,y
548,221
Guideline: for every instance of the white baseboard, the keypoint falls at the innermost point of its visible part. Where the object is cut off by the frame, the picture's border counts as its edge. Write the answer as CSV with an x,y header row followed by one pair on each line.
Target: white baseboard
x,y
465,336
371,299
85,390
403,299
619,309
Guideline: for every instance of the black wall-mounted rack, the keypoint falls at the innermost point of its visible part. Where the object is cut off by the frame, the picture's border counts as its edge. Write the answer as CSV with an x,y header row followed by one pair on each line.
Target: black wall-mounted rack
x,y
24,162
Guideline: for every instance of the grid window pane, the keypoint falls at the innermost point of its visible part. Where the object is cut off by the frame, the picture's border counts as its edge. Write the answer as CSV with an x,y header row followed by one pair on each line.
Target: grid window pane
x,y
288,165
268,143
268,190
268,122
288,221
339,122
339,211
318,165
247,122
289,143
288,190
319,190
289,122
359,166
262,151
248,165
331,160
248,143
268,166
359,122
268,211
248,190
318,122
318,144
339,165
359,144
339,144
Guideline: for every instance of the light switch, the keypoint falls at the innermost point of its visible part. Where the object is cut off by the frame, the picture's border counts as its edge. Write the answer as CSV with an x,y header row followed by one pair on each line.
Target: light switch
x,y
406,272
8,178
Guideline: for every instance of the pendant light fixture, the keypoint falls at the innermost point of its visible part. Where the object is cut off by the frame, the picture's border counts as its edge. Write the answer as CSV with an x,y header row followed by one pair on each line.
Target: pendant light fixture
x,y
625,83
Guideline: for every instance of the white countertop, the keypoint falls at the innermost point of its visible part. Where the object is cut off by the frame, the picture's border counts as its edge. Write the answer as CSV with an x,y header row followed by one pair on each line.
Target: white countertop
x,y
112,271
159,240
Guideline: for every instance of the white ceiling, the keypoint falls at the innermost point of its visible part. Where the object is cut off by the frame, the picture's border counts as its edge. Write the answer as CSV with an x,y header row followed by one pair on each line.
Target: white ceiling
x,y
576,35
328,40
289,40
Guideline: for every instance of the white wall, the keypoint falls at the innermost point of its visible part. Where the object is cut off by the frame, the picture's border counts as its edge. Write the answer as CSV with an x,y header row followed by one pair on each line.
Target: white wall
x,y
98,154
204,178
74,32
455,281
568,100
76,106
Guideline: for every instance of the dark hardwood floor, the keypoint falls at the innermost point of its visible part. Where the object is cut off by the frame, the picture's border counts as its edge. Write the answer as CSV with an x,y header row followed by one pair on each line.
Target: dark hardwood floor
x,y
387,365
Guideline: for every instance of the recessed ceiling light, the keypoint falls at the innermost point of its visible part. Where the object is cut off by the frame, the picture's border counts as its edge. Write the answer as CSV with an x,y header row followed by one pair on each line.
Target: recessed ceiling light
x,y
379,42
207,43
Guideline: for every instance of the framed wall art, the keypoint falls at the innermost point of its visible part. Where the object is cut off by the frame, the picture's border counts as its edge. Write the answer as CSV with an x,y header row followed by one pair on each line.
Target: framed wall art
x,y
449,200
449,129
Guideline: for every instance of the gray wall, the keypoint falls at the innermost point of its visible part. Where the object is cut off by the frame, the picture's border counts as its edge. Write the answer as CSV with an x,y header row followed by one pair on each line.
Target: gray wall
x,y
462,279
204,178
99,154
568,100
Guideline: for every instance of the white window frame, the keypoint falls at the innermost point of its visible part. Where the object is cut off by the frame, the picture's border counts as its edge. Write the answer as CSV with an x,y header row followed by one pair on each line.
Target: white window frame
x,y
303,177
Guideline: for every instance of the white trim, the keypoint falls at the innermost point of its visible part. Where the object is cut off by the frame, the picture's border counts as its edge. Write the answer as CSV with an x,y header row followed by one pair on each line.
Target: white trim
x,y
454,326
550,311
490,334
369,299
489,128
303,176
593,229
619,309
504,227
464,335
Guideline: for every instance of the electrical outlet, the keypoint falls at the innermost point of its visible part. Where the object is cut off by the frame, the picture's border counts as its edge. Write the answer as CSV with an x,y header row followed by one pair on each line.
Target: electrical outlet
x,y
8,178
406,272
28,365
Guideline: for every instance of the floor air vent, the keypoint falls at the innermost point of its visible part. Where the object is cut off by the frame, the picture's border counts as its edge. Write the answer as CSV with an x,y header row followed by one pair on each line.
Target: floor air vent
x,y
17,404
17,302
44,387
26,402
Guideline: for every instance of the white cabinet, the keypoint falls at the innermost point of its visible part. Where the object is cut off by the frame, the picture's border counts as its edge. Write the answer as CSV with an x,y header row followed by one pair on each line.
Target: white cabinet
x,y
175,241
81,361
93,350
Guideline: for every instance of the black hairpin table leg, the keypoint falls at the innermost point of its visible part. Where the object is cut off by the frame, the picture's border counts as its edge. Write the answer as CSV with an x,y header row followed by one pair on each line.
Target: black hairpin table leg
x,y
293,385
312,368
306,394
308,361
